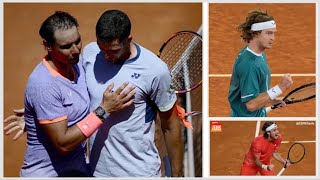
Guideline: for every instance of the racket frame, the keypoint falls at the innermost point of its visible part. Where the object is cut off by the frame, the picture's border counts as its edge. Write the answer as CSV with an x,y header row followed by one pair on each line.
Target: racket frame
x,y
285,166
304,152
164,45
293,91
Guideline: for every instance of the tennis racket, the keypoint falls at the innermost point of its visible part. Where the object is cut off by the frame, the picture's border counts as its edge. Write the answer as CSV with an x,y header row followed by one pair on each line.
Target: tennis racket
x,y
300,94
183,54
295,154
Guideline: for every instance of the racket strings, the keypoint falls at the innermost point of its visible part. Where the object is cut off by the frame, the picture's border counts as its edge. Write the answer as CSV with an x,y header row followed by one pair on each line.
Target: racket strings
x,y
302,94
296,153
183,54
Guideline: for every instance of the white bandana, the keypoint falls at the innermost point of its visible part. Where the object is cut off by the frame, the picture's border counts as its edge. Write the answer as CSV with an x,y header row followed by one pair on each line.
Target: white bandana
x,y
263,25
272,126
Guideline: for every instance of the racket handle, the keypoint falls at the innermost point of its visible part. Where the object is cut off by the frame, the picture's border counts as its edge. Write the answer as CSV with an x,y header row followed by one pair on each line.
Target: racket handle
x,y
268,109
279,174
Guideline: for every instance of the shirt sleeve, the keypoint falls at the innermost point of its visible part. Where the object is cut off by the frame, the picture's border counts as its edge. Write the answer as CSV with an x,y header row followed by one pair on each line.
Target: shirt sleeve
x,y
48,103
249,82
162,94
256,149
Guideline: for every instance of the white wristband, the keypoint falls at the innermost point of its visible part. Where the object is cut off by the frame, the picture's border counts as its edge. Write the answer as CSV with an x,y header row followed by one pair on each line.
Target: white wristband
x,y
265,167
274,92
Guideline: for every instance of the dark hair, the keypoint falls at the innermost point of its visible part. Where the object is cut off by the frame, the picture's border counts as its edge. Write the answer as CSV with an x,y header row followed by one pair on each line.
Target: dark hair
x,y
265,126
113,25
58,21
255,16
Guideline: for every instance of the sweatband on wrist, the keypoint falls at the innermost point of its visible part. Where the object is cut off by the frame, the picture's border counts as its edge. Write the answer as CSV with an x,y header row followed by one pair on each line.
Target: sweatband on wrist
x,y
89,124
265,167
274,92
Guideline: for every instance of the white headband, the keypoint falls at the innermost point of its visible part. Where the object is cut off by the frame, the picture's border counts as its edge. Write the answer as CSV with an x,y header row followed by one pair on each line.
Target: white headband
x,y
272,126
263,25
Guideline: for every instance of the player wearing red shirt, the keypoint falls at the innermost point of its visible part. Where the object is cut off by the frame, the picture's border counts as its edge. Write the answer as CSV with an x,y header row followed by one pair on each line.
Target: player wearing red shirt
x,y
263,148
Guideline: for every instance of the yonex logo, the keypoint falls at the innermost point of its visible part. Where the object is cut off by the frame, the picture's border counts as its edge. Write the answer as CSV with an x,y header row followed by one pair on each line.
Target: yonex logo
x,y
135,75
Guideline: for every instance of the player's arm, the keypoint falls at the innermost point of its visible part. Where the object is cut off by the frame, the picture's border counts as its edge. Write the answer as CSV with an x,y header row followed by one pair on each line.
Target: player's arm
x,y
262,100
263,166
65,138
256,149
270,96
171,128
279,158
257,161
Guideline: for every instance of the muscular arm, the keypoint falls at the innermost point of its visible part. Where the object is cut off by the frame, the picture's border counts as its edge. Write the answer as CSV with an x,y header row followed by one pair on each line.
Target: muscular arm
x,y
278,157
269,167
171,128
64,139
260,101
263,98
257,161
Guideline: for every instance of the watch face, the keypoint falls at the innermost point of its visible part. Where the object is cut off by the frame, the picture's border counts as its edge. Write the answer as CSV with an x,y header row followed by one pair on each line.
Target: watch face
x,y
100,111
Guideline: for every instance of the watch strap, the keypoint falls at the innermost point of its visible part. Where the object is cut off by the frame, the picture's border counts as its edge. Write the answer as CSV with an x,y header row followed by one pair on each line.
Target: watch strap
x,y
100,112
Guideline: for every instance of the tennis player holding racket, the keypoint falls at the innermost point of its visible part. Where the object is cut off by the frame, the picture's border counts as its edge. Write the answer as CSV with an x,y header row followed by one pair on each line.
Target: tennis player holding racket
x,y
263,148
250,90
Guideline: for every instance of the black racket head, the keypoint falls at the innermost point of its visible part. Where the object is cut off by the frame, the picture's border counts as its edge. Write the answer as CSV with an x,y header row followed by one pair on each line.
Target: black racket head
x,y
300,94
296,153
183,54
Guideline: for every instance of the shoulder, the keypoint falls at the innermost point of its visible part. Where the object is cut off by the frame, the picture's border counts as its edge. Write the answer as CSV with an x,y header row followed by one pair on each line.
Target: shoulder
x,y
90,50
40,89
40,75
151,60
41,79
93,46
146,53
258,140
249,63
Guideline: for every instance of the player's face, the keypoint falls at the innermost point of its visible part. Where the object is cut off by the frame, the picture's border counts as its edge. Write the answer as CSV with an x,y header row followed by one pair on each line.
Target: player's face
x,y
274,133
115,51
266,38
67,46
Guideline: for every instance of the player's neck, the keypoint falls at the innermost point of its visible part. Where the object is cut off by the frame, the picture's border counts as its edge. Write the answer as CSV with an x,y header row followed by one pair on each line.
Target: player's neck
x,y
133,50
131,53
65,70
255,47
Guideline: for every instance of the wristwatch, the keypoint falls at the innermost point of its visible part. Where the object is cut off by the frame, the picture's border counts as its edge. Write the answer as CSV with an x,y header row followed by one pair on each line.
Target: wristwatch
x,y
101,113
